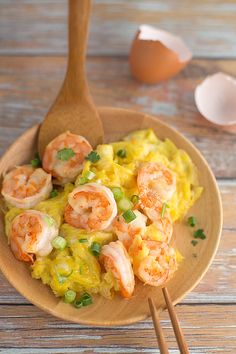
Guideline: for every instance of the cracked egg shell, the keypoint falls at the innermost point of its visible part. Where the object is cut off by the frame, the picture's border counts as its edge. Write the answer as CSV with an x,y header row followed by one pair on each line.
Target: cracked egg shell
x,y
157,55
215,99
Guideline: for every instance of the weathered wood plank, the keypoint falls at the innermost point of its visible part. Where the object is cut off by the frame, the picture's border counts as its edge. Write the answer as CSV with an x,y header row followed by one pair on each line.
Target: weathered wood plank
x,y
39,27
29,85
112,350
28,327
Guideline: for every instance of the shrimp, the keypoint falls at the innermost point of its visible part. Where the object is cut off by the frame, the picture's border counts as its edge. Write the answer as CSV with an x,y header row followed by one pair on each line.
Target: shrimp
x,y
91,207
116,259
126,232
64,156
153,208
155,178
158,263
164,229
31,233
25,186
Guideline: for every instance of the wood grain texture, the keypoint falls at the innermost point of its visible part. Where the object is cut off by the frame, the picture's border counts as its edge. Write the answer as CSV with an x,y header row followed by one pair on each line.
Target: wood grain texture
x,y
39,27
208,329
28,86
74,106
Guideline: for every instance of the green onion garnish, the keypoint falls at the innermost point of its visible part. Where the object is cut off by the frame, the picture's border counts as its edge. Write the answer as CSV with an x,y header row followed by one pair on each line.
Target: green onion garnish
x,y
125,204
61,278
82,180
199,234
95,248
83,240
163,209
121,153
129,216
195,255
117,192
36,162
78,304
135,199
65,154
192,221
50,221
81,268
69,296
89,175
93,157
85,300
194,242
59,243
54,193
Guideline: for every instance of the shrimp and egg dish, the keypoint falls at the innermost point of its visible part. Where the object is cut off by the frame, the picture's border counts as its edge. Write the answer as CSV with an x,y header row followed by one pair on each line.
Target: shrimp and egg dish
x,y
97,221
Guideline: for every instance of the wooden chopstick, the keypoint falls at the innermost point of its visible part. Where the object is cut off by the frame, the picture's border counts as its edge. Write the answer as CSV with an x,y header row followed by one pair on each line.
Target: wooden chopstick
x,y
158,329
175,323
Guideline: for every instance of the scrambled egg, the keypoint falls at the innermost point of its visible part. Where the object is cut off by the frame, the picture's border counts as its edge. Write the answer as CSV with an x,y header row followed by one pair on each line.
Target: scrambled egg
x,y
144,146
75,267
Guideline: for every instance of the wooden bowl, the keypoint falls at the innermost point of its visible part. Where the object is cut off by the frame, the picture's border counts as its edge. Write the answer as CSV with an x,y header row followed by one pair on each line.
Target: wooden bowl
x,y
208,210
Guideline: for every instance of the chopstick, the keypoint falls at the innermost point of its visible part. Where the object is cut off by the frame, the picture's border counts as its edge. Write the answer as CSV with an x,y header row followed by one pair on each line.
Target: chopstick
x,y
175,323
158,329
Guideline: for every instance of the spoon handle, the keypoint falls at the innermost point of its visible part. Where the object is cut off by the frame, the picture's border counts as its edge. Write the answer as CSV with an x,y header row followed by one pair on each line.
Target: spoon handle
x,y
76,82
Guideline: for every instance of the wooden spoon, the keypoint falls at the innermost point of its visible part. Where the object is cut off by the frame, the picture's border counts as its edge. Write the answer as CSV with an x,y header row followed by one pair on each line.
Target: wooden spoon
x,y
73,109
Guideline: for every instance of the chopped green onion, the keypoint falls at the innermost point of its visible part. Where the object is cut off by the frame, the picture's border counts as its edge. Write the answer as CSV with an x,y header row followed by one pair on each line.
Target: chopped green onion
x,y
61,278
50,221
59,243
82,180
199,234
83,240
135,199
81,268
194,242
85,300
95,248
93,157
89,175
117,192
125,204
36,162
54,193
129,216
192,221
65,154
195,255
78,304
69,296
163,209
121,153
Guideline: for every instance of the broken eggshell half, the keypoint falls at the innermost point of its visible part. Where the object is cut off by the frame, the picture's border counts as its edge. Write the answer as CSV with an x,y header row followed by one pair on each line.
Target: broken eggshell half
x,y
215,99
157,55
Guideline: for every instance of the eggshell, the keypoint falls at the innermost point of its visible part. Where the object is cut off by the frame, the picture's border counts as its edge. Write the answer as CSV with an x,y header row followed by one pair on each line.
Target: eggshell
x,y
215,98
157,55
